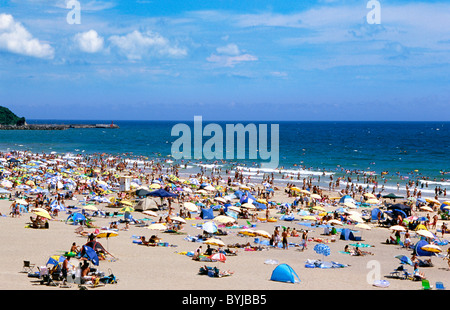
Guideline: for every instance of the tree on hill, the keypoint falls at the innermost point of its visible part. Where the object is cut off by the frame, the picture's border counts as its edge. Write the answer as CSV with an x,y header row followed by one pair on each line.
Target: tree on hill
x,y
9,118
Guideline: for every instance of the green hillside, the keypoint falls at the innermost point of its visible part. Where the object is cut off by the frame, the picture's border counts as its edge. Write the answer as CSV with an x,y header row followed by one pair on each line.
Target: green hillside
x,y
9,118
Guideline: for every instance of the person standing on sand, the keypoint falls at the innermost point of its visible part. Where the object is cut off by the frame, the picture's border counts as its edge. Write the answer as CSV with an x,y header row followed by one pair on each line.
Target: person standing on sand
x,y
284,239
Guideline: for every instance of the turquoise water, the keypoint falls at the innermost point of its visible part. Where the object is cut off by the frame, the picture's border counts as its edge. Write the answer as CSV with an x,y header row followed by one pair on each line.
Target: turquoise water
x,y
397,148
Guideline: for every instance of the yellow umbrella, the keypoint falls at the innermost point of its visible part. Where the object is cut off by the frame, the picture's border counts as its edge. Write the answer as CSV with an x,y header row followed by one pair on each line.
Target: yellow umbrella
x,y
431,248
309,218
369,195
245,188
296,189
127,209
431,200
155,186
421,227
247,232
214,241
107,234
43,214
350,205
318,208
126,202
262,233
262,201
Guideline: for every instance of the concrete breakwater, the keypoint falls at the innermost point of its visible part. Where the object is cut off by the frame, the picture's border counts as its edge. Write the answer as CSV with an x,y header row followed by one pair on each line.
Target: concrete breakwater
x,y
57,126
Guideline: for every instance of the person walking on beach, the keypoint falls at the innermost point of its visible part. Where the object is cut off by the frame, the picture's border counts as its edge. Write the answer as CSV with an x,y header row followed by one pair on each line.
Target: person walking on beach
x,y
304,239
284,236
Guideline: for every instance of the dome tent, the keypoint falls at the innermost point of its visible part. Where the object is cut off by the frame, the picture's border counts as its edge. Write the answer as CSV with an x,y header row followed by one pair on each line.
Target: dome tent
x,y
284,273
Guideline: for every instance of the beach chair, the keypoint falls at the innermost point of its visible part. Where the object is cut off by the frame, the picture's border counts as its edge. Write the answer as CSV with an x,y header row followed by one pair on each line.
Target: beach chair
x,y
400,273
28,267
426,285
440,286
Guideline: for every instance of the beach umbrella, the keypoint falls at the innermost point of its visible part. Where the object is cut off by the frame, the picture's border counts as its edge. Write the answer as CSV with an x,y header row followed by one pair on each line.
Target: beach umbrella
x,y
323,249
335,222
431,248
149,213
218,257
43,214
421,227
392,196
90,208
404,259
369,195
126,203
157,226
155,186
397,228
220,199
210,227
234,208
425,233
316,196
21,202
308,218
245,188
55,260
127,209
296,189
363,226
90,254
214,241
224,219
319,208
262,201
262,233
372,201
350,205
248,206
356,218
190,206
432,200
426,208
178,219
247,232
107,234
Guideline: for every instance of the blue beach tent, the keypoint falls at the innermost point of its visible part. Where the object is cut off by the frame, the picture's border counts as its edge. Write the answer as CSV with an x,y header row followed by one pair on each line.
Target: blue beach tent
x,y
207,214
419,251
284,273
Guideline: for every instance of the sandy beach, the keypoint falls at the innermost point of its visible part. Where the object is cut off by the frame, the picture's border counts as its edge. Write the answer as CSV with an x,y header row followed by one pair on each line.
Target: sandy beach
x,y
140,267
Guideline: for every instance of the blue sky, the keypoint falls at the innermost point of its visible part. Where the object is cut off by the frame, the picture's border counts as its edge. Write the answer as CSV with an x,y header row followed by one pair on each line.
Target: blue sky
x,y
226,60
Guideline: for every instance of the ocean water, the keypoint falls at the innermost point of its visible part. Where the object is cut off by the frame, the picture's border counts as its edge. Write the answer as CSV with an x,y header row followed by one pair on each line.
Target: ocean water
x,y
402,150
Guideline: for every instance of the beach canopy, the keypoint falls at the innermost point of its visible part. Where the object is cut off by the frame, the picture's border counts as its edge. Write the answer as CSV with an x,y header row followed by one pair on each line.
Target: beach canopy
x,y
392,196
161,193
146,204
419,251
284,273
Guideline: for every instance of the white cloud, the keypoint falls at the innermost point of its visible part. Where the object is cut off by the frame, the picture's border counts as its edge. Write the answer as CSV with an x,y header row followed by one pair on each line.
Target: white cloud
x,y
89,41
229,56
230,61
15,38
135,45
230,49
